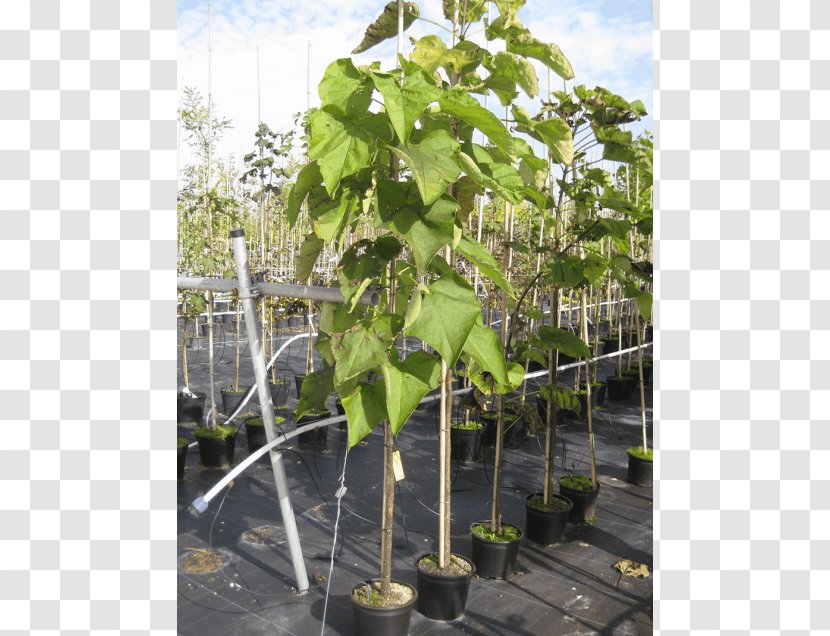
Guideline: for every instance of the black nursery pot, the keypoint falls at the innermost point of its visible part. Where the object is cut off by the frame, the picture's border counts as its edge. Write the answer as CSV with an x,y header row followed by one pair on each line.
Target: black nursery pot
x,y
299,378
617,388
279,393
231,399
181,461
443,598
319,435
640,471
610,344
495,559
215,452
584,503
190,409
255,433
488,434
382,621
466,444
546,526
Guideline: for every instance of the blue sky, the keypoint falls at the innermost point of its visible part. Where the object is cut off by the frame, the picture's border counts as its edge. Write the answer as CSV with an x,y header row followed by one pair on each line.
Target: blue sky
x,y
608,44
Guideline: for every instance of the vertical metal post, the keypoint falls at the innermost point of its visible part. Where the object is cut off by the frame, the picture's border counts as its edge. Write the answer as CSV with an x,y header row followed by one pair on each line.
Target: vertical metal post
x,y
249,309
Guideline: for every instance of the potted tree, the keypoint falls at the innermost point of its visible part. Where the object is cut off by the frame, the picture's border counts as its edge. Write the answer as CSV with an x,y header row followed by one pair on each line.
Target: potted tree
x,y
354,175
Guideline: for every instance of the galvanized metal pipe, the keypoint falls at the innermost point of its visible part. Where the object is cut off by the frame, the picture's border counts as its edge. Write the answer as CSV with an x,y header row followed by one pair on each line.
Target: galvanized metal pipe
x,y
308,292
267,406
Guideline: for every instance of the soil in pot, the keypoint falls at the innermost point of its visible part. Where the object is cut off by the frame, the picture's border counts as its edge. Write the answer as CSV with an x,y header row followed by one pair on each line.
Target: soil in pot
x,y
494,553
181,447
618,388
317,436
216,446
465,441
640,466
191,408
583,496
442,594
255,431
231,399
374,616
545,524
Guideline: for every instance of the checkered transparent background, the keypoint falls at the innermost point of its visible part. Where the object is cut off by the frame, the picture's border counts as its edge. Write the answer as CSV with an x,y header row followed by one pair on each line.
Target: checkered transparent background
x,y
87,334
742,510
87,327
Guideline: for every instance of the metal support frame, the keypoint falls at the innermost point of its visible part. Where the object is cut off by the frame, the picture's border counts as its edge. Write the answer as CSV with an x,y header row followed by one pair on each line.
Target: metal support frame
x,y
247,293
308,292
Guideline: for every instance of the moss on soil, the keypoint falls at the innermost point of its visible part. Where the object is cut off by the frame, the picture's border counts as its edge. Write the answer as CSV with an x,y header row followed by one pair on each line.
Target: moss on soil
x,y
555,504
472,425
508,532
637,451
577,482
220,432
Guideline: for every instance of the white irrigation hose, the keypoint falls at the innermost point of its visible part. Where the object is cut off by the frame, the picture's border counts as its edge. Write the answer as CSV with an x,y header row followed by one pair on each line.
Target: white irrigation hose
x,y
200,504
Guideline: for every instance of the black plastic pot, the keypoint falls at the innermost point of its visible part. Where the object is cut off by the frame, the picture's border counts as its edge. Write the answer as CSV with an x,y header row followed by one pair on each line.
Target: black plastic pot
x,y
488,435
181,461
597,393
617,388
640,471
255,433
443,598
216,452
190,409
382,621
465,444
299,378
279,393
584,503
319,435
338,406
610,344
647,369
632,376
546,526
206,330
495,559
230,400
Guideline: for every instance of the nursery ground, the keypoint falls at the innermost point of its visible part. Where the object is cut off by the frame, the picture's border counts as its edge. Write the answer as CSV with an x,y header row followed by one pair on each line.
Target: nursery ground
x,y
569,588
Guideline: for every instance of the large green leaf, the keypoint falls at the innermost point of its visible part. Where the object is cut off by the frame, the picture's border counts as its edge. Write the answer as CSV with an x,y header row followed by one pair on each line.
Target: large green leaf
x,y
501,178
516,69
308,177
548,53
407,382
564,341
405,102
330,216
339,83
315,391
337,149
618,152
386,25
475,9
433,162
362,348
431,53
479,256
644,303
309,251
503,87
460,104
488,385
449,309
509,8
336,318
365,409
554,133
426,229
483,345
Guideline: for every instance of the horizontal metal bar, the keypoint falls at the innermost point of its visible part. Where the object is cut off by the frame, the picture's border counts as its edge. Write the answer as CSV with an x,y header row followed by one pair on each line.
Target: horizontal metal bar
x,y
309,292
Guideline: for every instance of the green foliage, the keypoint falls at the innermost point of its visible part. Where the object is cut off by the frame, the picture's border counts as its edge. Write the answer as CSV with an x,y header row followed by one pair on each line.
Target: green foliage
x,y
507,533
386,25
578,482
182,442
472,425
220,432
637,451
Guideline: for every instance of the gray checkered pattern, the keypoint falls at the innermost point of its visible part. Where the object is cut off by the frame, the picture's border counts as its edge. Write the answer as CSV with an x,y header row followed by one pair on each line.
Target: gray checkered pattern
x,y
744,299
87,333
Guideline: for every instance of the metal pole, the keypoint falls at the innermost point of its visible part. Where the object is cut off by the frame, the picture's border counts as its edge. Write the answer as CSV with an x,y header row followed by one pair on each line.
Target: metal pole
x,y
311,292
267,406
